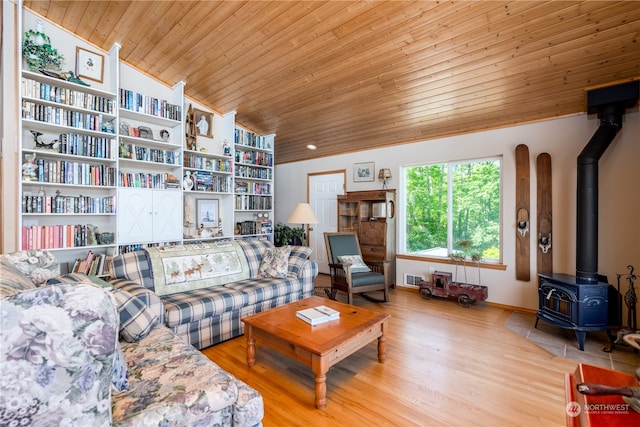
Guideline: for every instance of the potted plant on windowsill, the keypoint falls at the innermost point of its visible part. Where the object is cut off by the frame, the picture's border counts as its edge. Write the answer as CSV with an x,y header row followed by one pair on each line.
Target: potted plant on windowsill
x,y
462,256
286,235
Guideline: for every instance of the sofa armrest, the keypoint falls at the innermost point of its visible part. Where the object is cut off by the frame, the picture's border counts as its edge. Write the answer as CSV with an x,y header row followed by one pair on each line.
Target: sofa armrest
x,y
57,355
151,300
307,276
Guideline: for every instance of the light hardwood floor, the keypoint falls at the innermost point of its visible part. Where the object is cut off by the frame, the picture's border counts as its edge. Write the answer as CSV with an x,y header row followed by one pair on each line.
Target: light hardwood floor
x,y
446,366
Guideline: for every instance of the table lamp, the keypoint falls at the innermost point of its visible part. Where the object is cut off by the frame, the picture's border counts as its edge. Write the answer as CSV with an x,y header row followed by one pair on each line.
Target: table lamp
x,y
385,175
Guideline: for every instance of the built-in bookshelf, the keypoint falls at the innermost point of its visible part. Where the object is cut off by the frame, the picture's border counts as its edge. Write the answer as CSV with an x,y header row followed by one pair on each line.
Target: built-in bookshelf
x,y
253,184
69,164
150,159
209,172
104,166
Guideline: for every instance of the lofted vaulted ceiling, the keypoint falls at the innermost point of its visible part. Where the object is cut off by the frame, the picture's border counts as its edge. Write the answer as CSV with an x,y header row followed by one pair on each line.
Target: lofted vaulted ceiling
x,y
348,76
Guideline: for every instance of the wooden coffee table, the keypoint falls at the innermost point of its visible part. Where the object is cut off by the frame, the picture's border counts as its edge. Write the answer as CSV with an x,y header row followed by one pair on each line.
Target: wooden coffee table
x,y
318,347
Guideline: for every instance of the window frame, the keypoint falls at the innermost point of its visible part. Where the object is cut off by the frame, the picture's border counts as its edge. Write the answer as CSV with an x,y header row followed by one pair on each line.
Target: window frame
x,y
402,217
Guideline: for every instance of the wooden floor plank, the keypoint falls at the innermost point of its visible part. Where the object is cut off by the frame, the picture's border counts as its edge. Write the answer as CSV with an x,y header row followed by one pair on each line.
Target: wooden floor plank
x,y
446,366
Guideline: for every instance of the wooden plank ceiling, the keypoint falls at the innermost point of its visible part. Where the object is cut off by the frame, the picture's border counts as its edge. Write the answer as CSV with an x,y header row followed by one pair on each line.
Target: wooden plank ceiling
x,y
347,76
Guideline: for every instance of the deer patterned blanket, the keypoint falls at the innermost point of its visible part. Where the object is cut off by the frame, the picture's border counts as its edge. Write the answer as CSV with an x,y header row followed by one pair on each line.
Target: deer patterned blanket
x,y
185,267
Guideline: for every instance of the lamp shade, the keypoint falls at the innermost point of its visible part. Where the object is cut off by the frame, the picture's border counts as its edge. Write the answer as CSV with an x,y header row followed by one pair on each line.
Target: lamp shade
x,y
303,214
384,173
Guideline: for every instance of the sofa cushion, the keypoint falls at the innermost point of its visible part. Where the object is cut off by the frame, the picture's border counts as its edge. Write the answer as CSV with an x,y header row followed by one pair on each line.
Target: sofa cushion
x,y
134,266
254,250
136,320
198,304
297,258
12,280
38,265
275,262
178,386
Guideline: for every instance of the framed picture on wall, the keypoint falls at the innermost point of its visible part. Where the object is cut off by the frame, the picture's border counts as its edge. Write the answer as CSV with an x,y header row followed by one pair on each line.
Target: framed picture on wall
x,y
204,123
89,65
207,211
363,172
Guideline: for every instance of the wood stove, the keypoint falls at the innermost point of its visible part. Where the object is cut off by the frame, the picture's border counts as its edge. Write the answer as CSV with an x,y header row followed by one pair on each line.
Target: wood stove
x,y
581,302
569,304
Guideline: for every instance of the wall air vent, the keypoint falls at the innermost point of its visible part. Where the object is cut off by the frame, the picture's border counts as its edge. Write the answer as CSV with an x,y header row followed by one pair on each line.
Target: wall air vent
x,y
412,279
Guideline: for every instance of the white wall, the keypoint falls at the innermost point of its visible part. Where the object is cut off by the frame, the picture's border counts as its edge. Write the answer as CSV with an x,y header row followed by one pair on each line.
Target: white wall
x,y
564,139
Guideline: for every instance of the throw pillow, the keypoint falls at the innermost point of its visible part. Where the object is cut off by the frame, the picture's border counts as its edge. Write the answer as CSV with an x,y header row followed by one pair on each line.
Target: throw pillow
x,y
120,377
275,262
136,320
39,265
12,280
357,264
297,258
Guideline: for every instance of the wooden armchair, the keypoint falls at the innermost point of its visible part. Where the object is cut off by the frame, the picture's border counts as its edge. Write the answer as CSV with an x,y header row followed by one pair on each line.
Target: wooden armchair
x,y
349,275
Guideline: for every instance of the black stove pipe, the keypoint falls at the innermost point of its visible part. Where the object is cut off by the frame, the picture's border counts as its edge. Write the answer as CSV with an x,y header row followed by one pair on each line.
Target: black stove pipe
x,y
587,201
610,104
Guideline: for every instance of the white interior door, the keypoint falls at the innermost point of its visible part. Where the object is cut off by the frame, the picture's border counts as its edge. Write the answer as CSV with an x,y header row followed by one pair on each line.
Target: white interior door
x,y
324,189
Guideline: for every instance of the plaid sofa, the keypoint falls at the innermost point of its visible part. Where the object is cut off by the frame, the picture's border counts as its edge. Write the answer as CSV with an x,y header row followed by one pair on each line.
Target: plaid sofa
x,y
207,316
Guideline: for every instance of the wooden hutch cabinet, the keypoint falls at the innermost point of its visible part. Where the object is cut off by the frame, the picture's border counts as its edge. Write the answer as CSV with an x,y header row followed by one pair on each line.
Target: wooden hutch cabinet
x,y
371,214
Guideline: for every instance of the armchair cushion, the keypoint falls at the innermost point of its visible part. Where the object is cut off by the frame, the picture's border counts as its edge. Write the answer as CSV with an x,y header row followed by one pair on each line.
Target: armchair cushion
x,y
275,262
136,320
368,278
357,264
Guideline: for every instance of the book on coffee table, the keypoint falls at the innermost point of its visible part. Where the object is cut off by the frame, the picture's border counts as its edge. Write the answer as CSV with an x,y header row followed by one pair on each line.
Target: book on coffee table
x,y
318,314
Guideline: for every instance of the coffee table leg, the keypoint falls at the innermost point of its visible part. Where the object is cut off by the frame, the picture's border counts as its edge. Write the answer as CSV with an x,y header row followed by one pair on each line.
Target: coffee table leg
x,y
320,368
251,346
382,345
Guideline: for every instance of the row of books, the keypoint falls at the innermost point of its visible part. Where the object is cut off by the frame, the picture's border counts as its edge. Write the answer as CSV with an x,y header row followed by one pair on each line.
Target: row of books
x,y
140,103
254,158
93,265
76,173
86,145
62,116
252,187
61,95
247,228
147,180
250,202
253,172
204,181
199,162
68,204
56,236
250,139
132,151
317,315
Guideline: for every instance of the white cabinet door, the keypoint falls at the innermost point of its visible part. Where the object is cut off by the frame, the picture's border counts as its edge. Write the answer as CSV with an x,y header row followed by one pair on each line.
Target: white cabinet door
x,y
135,215
167,215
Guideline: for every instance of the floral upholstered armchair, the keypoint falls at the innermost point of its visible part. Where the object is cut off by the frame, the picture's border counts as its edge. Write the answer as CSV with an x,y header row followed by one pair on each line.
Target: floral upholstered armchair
x,y
58,349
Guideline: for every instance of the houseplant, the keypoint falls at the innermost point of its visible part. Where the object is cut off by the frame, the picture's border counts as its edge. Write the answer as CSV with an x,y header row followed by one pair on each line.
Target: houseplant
x,y
286,235
39,54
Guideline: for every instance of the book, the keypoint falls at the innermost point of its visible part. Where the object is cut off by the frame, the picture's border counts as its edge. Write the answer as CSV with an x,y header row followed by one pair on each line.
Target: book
x,y
317,315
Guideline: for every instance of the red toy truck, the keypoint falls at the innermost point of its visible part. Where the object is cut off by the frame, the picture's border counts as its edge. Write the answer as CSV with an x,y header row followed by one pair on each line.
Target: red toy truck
x,y
442,285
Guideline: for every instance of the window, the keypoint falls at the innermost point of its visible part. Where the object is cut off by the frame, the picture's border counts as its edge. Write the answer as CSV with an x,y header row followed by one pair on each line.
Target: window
x,y
453,208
